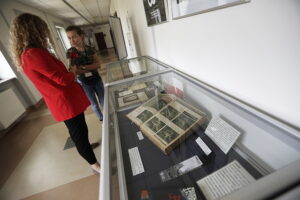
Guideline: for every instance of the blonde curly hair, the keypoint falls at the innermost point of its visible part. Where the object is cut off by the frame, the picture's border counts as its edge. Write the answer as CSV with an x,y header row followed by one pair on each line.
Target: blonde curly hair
x,y
26,31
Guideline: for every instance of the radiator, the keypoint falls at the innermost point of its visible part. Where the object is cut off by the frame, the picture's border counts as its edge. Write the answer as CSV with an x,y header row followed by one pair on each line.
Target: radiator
x,y
11,108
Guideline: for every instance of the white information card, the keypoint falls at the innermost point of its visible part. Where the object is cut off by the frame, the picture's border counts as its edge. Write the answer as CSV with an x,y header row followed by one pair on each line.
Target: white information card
x,y
135,161
225,181
222,133
140,135
203,146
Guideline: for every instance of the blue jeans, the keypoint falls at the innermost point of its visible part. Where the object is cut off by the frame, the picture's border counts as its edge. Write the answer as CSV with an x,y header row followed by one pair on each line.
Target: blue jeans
x,y
91,92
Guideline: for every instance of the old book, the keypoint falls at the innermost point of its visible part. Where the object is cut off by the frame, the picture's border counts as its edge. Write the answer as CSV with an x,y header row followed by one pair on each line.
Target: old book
x,y
135,93
133,98
166,120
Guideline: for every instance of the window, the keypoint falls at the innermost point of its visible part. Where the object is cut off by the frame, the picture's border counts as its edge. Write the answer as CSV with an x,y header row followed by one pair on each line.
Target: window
x,y
63,37
6,72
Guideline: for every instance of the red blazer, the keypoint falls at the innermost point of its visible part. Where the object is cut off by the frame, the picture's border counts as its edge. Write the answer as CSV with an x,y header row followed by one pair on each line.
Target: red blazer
x,y
65,98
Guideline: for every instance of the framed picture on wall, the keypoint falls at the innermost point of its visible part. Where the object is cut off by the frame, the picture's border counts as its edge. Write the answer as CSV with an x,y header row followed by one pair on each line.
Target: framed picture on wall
x,y
185,8
155,11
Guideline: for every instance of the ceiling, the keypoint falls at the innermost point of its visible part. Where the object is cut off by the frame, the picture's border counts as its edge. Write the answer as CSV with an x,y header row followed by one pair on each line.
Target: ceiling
x,y
78,12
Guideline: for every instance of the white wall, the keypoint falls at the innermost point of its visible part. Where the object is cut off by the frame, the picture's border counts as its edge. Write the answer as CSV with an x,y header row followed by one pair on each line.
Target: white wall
x,y
250,51
129,18
8,8
105,29
98,29
5,72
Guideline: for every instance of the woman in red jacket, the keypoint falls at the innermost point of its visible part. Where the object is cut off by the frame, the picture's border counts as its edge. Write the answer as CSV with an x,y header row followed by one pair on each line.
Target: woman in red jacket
x,y
30,41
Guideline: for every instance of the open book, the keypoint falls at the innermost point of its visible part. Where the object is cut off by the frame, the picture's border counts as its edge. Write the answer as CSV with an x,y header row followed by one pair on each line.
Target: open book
x,y
166,120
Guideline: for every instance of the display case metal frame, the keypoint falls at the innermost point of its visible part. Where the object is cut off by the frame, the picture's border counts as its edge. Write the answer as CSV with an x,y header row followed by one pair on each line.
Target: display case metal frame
x,y
277,128
105,172
166,66
105,178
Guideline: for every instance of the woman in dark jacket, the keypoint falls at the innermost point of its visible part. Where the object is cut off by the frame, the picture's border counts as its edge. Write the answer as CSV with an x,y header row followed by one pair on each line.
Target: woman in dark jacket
x,y
84,57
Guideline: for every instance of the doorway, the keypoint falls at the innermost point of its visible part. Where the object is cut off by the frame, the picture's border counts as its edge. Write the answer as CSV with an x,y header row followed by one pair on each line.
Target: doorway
x,y
101,41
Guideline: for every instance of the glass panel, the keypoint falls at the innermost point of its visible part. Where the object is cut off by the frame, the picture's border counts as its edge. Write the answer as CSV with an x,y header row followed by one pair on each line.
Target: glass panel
x,y
132,68
63,37
162,131
6,71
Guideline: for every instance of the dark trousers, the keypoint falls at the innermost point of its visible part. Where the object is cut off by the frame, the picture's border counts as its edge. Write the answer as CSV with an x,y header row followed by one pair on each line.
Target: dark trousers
x,y
79,133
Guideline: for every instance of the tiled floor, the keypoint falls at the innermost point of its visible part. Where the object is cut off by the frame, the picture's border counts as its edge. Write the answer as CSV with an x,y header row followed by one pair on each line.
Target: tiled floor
x,y
88,187
34,164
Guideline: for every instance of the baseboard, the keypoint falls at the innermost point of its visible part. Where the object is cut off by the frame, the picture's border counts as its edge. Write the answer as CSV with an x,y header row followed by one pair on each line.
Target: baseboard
x,y
28,110
4,131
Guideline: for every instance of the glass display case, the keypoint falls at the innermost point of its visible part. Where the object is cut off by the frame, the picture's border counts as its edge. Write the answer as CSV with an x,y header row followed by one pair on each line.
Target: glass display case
x,y
221,148
134,67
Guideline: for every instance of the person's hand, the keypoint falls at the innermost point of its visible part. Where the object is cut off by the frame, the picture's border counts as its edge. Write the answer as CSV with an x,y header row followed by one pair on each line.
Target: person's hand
x,y
73,69
81,70
82,67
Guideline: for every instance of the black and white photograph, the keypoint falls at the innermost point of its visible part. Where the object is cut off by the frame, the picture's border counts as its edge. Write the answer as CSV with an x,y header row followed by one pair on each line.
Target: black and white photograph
x,y
124,92
171,173
180,169
185,8
155,11
183,121
155,124
167,134
159,103
169,112
189,193
145,115
132,99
